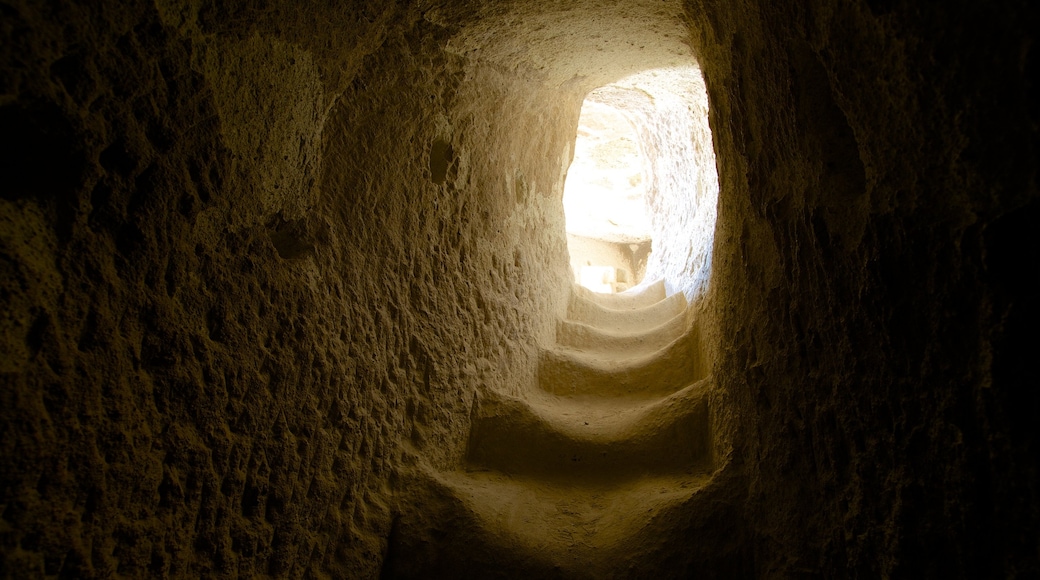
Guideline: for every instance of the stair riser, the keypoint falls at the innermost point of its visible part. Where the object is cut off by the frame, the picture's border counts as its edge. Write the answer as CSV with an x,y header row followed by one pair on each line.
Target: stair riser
x,y
581,336
564,374
514,440
649,296
639,320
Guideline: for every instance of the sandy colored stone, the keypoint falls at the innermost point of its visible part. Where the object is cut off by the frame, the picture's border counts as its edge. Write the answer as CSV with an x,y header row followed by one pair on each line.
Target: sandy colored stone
x,y
261,265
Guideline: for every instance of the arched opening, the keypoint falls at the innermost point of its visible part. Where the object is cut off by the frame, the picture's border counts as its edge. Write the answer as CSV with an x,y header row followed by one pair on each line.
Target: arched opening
x,y
641,192
608,229
620,407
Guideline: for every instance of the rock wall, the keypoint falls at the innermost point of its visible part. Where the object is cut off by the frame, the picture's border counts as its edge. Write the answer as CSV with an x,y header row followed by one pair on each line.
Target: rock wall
x,y
257,259
253,262
877,162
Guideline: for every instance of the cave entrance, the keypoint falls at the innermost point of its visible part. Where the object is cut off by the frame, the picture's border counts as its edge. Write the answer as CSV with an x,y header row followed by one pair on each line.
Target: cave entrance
x,y
608,230
641,192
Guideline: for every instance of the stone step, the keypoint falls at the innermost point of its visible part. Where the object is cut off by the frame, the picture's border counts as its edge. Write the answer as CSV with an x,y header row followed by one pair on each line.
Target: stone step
x,y
577,335
636,320
489,525
592,439
638,297
569,372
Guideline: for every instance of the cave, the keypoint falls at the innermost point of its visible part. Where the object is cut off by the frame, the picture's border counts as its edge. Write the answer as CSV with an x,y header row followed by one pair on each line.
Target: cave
x,y
286,291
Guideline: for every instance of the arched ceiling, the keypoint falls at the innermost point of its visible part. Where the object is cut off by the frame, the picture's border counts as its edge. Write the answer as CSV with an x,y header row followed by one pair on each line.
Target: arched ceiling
x,y
574,44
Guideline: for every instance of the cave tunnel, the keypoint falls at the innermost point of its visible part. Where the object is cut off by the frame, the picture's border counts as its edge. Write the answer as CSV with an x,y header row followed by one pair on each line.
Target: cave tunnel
x,y
286,293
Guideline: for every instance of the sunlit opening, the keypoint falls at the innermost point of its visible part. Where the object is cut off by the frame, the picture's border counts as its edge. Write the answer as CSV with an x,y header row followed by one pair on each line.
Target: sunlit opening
x,y
641,191
604,199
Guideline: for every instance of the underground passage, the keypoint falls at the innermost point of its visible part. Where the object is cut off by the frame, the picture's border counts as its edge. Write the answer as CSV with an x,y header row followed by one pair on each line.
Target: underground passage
x,y
296,289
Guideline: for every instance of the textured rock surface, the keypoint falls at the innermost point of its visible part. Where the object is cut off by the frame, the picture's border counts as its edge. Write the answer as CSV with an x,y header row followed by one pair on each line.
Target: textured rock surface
x,y
878,166
256,261
251,267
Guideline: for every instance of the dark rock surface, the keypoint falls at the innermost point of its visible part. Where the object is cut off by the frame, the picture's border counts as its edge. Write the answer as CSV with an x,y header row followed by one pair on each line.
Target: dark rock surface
x,y
256,259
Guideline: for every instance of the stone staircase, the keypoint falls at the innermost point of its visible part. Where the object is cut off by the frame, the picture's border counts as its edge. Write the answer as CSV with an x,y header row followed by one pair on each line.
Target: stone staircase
x,y
590,476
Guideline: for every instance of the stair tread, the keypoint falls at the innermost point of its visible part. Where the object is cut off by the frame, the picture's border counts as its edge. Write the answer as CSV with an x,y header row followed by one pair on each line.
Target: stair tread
x,y
633,298
565,439
570,371
578,335
606,411
618,360
604,415
629,320
579,524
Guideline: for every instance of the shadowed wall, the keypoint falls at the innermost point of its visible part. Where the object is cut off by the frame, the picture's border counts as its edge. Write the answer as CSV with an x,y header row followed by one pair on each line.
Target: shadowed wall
x,y
254,262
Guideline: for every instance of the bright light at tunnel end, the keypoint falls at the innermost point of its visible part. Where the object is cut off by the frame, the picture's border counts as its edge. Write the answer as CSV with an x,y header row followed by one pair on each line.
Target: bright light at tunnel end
x,y
643,170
